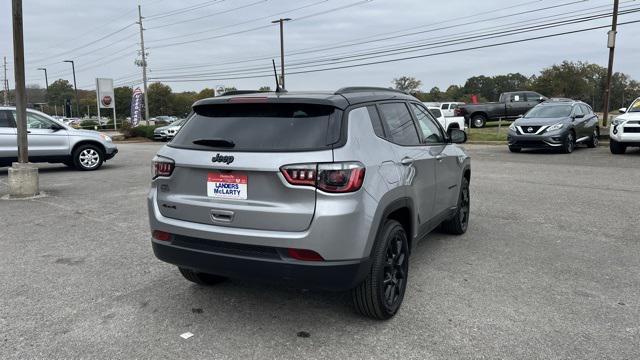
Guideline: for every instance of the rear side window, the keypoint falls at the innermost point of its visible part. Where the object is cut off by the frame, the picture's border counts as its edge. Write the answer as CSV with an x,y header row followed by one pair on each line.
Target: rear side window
x,y
577,110
260,127
444,106
586,109
375,121
435,112
398,124
6,119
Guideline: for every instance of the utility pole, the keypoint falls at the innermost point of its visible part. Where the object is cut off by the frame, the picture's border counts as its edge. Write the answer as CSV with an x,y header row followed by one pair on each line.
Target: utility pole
x,y
23,177
73,67
281,21
5,83
611,44
144,66
46,79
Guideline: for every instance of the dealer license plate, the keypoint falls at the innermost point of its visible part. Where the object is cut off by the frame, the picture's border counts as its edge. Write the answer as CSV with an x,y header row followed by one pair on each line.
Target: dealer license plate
x,y
227,185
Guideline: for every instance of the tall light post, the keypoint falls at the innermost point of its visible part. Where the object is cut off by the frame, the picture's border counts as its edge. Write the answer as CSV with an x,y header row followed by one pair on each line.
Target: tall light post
x,y
281,21
46,79
73,67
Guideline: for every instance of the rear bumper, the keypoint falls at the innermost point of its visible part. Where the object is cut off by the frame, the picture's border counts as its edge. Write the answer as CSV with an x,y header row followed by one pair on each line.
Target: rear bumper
x,y
321,275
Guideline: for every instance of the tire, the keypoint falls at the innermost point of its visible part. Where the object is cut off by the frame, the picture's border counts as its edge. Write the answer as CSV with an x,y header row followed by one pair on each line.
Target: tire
x,y
617,147
569,143
201,278
380,295
459,223
594,141
88,157
514,149
478,121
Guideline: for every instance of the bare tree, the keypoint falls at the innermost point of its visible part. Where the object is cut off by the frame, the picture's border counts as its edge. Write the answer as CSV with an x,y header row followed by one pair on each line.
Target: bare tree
x,y
406,83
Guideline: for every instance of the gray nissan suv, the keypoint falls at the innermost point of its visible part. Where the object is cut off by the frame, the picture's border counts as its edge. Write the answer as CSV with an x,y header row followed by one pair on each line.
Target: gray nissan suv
x,y
314,190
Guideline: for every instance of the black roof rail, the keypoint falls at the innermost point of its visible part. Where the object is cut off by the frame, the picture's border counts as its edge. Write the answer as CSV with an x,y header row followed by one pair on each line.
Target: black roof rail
x,y
242,92
357,89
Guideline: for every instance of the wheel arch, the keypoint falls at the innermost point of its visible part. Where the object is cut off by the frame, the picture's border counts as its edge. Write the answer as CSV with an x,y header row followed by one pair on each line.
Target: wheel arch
x,y
401,210
88,142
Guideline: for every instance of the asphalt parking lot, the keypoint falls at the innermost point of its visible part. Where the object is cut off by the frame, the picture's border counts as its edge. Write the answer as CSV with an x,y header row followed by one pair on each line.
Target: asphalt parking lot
x,y
548,269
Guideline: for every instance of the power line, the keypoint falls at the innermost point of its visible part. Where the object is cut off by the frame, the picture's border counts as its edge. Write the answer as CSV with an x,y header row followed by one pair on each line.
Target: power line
x,y
83,46
447,41
208,16
183,10
407,57
267,17
354,42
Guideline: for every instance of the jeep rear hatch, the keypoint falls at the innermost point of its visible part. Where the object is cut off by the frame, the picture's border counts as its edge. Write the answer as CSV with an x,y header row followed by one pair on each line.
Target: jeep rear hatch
x,y
228,159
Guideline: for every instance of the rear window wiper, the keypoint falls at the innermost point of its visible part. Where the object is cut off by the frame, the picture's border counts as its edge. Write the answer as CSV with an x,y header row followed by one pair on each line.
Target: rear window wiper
x,y
221,143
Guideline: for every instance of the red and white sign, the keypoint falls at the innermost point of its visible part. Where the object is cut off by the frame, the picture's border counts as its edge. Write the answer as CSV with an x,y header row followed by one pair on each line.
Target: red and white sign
x,y
227,186
104,89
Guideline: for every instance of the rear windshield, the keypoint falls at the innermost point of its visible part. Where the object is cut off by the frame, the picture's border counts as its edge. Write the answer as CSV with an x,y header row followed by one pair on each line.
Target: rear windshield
x,y
260,127
549,111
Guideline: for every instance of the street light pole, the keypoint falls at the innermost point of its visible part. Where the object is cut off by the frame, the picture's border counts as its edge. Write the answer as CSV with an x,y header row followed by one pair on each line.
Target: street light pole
x,y
46,79
281,21
611,44
22,176
73,67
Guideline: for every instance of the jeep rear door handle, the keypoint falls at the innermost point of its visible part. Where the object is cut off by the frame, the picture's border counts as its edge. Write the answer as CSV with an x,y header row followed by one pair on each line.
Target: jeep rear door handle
x,y
440,157
406,161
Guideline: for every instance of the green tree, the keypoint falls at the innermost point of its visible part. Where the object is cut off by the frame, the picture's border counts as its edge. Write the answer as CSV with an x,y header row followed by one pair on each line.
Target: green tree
x,y
59,91
123,96
160,97
264,88
181,103
406,84
206,93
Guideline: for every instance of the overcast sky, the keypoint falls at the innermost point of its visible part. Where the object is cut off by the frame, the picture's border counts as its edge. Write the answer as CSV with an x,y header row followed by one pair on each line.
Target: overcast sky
x,y
234,38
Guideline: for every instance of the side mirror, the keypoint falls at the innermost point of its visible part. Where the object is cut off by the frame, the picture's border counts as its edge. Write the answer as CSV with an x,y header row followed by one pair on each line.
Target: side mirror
x,y
622,110
542,99
458,136
578,116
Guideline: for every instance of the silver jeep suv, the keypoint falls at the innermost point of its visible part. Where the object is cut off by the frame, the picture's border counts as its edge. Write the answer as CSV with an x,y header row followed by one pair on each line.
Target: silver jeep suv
x,y
315,190
52,141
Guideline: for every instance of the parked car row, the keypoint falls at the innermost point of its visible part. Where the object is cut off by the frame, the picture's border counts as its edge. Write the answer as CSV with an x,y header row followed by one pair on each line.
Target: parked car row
x,y
166,133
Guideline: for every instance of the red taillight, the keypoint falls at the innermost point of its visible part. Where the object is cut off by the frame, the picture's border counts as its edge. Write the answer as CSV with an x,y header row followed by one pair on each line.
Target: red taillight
x,y
162,167
161,235
339,177
304,255
302,174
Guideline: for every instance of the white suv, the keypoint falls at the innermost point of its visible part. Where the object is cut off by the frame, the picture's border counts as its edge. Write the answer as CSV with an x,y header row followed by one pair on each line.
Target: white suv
x,y
625,129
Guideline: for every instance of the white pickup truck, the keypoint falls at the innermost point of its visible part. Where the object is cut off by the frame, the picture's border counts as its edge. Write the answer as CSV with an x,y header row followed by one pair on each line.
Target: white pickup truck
x,y
448,123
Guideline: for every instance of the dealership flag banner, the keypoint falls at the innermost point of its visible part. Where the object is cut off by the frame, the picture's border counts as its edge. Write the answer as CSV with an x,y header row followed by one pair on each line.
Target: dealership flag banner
x,y
137,103
105,97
